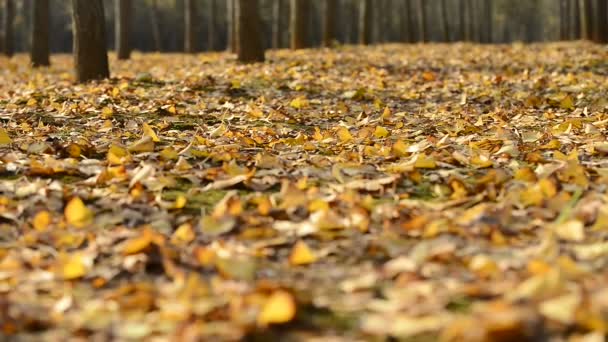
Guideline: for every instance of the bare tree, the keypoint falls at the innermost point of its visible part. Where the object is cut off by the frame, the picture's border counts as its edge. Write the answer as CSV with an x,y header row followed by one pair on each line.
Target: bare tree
x,y
90,51
155,21
9,17
249,39
299,23
189,26
231,23
421,13
124,16
365,22
277,9
211,25
40,52
329,22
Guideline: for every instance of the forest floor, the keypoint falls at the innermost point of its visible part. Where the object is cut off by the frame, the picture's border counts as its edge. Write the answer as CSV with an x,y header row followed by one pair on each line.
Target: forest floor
x,y
422,193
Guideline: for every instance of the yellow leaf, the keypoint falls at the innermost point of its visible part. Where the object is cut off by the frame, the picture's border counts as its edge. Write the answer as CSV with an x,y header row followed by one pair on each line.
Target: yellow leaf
x,y
184,234
301,254
138,244
143,145
149,132
74,267
387,113
180,202
400,148
299,102
566,103
32,102
481,161
424,162
4,138
381,132
107,112
118,155
279,308
77,214
344,135
42,220
169,153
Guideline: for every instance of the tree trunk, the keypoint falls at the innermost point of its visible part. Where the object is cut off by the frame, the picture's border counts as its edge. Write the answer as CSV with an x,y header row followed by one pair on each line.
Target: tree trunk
x,y
584,19
277,9
124,15
601,22
249,37
421,13
365,22
231,22
329,22
9,22
489,21
189,26
299,23
445,25
90,51
211,25
155,22
39,52
576,20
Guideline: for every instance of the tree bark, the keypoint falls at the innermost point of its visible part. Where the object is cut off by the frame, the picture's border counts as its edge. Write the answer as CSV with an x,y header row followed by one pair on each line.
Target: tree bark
x,y
576,20
601,22
445,25
248,30
155,22
40,51
299,24
211,25
421,13
124,15
277,9
365,22
231,22
189,26
90,51
329,22
584,19
489,21
9,18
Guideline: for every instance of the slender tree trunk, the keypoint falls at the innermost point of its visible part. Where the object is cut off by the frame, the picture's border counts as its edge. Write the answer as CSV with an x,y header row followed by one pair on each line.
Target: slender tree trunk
x,y
124,16
40,51
445,25
211,24
489,21
601,22
155,22
277,9
231,22
584,19
9,24
189,26
329,22
299,23
249,37
576,20
421,13
365,22
90,51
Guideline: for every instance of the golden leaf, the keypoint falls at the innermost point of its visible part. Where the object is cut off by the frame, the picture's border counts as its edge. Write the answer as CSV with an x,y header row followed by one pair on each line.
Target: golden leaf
x,y
344,135
118,155
4,138
381,132
149,132
279,308
42,220
73,267
301,254
77,214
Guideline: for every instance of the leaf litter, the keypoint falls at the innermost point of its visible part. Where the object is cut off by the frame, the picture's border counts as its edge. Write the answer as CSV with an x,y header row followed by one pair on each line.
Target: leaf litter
x,y
451,192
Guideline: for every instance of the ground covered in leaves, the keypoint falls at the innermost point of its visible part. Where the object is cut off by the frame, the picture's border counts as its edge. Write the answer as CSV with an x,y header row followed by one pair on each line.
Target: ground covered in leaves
x,y
421,193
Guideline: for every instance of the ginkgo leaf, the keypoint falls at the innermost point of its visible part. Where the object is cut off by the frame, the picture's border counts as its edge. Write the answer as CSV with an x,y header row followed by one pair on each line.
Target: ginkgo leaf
x,y
42,220
4,137
301,254
344,135
74,267
118,155
77,213
279,308
149,132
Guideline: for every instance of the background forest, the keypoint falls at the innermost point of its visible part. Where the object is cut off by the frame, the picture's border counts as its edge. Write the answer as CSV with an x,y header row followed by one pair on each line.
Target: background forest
x,y
158,24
